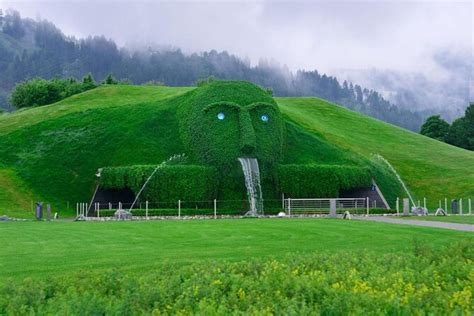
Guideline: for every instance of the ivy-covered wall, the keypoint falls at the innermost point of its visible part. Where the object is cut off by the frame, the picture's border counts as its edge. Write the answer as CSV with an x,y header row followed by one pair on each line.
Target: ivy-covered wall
x,y
224,120
302,181
170,183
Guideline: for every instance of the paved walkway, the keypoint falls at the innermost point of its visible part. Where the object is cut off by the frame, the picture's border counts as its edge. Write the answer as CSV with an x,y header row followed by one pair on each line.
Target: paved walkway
x,y
385,219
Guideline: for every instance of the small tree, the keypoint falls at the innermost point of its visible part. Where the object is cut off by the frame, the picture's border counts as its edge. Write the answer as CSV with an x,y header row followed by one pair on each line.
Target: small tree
x,y
456,135
461,132
88,82
39,91
13,25
204,81
110,80
269,91
469,118
35,92
435,127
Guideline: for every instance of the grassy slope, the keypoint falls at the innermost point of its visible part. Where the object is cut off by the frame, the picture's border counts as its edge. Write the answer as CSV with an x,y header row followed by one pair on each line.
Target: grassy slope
x,y
430,168
56,149
42,248
15,193
53,151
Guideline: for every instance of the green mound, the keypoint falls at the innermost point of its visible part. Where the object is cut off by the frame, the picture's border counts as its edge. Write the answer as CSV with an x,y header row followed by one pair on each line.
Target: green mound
x,y
52,152
221,122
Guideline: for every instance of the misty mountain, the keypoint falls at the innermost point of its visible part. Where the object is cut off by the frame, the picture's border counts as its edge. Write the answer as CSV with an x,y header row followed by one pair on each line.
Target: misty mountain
x,y
448,95
30,48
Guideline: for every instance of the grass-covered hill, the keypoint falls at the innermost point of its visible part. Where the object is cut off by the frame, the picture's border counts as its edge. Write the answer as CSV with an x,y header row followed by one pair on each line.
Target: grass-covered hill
x,y
51,153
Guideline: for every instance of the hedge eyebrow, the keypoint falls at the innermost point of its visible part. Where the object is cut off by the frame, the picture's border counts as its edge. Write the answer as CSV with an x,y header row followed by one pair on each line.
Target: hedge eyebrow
x,y
227,104
257,105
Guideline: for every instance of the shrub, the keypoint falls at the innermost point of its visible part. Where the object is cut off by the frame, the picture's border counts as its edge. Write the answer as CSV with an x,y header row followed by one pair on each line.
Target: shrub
x,y
320,180
204,81
169,184
38,91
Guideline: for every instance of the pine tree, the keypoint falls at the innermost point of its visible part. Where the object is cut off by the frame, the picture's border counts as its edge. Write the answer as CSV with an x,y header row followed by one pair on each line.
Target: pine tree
x,y
1,18
88,81
110,80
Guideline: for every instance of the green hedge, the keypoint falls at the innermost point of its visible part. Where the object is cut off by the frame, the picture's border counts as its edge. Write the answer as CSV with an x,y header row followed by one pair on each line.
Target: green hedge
x,y
170,183
200,183
299,181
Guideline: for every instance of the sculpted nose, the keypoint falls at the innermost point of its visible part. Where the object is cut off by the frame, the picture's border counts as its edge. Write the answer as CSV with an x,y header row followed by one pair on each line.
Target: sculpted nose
x,y
247,133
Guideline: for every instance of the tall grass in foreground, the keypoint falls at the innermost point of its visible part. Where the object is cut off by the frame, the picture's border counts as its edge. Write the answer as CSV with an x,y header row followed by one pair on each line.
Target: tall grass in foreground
x,y
425,281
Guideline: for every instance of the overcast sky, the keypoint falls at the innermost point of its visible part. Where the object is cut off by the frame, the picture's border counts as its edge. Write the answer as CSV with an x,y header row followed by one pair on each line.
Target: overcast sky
x,y
326,35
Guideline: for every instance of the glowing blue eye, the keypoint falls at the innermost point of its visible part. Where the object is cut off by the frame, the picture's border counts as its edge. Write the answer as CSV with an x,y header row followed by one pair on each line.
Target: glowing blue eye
x,y
221,116
264,118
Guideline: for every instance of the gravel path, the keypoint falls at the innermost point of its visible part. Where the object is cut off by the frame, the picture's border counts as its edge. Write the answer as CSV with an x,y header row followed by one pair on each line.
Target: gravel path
x,y
455,226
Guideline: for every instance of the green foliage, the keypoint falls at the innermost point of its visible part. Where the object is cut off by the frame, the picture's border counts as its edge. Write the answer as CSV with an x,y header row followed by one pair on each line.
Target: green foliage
x,y
110,80
457,133
461,132
302,181
38,91
204,81
416,282
269,91
169,184
241,133
88,82
435,127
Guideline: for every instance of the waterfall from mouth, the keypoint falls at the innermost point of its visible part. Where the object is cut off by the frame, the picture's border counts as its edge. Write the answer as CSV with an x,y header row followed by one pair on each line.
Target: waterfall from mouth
x,y
252,183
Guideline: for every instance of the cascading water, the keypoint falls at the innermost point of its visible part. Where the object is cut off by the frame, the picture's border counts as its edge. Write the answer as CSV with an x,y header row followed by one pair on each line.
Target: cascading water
x,y
173,158
252,183
396,175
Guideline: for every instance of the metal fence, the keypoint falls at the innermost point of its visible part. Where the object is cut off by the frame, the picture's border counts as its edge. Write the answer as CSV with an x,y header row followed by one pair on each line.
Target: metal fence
x,y
457,206
322,206
180,208
222,208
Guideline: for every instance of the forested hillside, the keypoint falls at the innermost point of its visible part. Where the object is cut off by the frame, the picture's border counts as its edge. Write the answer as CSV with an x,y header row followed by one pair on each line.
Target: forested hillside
x,y
31,48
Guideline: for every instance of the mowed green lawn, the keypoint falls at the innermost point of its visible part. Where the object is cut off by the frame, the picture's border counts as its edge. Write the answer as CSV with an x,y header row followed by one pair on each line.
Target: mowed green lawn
x,y
39,249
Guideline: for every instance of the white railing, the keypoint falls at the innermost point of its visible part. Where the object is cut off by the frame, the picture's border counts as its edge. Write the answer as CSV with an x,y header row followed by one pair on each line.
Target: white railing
x,y
294,206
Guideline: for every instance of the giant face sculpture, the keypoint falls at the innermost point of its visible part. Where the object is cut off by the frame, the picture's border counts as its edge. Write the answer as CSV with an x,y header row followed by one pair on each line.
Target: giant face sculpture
x,y
225,120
